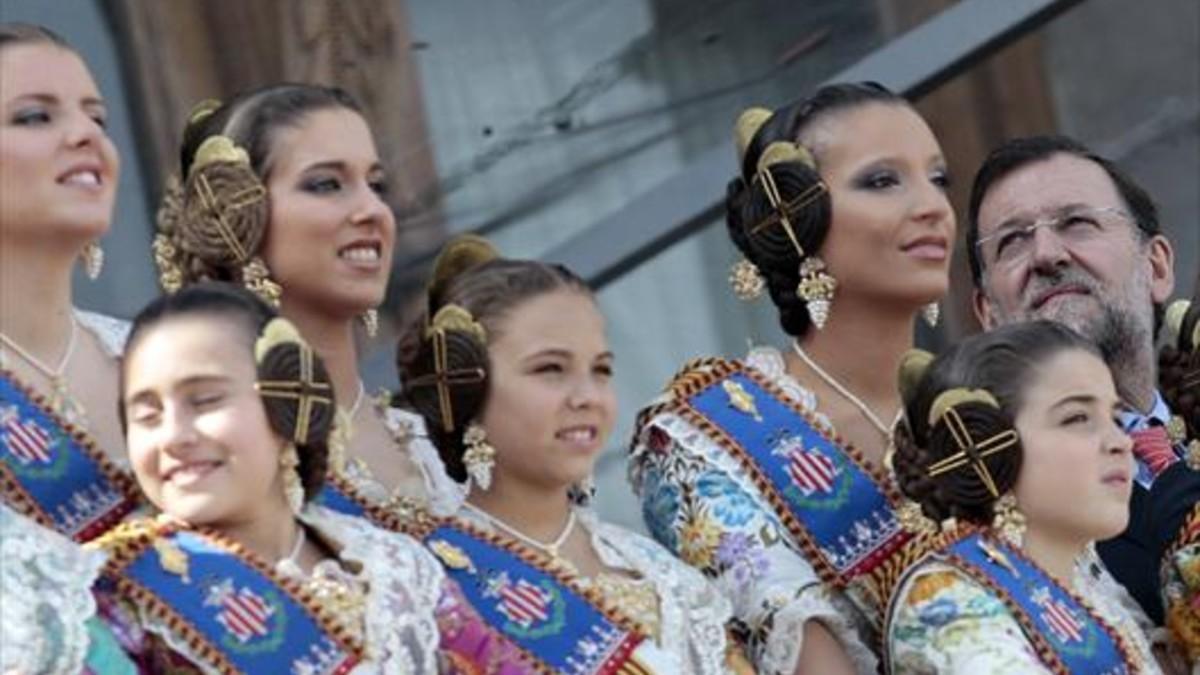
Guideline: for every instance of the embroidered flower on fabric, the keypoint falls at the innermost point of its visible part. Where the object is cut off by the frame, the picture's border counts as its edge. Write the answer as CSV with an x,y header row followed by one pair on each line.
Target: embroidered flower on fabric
x,y
660,509
739,553
698,540
731,505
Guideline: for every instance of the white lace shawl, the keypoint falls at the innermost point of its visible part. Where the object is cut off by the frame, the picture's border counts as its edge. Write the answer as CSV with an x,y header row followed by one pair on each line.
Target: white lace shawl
x,y
789,593
692,613
444,494
111,331
404,585
45,598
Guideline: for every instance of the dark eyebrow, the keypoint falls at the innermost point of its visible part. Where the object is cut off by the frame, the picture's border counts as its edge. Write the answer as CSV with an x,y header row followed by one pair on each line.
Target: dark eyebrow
x,y
339,166
1074,398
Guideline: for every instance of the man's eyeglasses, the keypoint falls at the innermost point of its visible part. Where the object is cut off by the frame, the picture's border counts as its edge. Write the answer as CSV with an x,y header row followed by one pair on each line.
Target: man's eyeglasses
x,y
1013,244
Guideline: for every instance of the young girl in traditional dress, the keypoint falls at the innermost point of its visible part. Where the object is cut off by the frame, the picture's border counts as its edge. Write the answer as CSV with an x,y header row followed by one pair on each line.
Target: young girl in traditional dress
x,y
1012,442
228,414
512,371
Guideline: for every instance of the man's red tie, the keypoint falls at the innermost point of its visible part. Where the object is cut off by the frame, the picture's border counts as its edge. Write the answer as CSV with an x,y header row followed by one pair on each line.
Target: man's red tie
x,y
1153,446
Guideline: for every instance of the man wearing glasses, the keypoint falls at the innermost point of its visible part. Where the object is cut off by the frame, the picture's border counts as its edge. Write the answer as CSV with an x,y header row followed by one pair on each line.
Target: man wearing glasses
x,y
1056,232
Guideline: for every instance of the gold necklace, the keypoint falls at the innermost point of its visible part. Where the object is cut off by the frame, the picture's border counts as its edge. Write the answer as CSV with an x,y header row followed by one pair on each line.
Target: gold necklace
x,y
61,401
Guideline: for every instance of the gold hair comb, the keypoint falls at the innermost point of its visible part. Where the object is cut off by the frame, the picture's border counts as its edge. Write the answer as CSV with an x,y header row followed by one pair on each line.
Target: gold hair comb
x,y
219,148
748,123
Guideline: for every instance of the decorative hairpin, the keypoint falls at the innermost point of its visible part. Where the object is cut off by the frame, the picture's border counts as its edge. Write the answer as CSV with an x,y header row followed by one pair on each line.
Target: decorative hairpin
x,y
451,317
306,390
970,453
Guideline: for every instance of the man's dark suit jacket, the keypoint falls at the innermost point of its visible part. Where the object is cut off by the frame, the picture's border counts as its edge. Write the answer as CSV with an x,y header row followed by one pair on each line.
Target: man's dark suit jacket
x,y
1155,518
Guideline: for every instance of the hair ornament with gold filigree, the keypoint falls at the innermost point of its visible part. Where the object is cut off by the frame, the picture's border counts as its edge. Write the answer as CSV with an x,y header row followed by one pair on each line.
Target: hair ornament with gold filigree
x,y
455,317
213,220
461,254
779,204
947,400
294,384
957,452
203,110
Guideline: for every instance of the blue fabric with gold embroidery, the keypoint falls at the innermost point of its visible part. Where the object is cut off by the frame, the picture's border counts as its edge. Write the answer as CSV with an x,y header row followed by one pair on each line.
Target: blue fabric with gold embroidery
x,y
50,467
253,622
332,498
837,503
529,606
1071,630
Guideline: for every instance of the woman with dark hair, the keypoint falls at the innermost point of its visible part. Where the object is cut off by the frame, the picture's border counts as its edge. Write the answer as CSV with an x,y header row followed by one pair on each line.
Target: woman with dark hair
x,y
61,454
62,465
512,372
229,413
767,473
281,190
1177,530
1012,441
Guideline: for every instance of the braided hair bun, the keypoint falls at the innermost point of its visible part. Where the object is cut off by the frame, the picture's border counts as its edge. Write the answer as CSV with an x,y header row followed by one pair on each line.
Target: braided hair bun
x,y
298,396
780,179
957,450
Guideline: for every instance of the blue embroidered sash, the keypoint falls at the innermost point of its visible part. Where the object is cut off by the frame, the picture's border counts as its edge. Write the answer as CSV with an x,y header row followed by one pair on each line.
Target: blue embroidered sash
x,y
229,610
338,498
1069,637
839,513
53,474
556,624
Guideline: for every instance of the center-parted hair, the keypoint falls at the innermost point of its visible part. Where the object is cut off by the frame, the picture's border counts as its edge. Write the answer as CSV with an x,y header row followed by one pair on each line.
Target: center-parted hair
x,y
1002,362
245,316
201,247
747,205
490,290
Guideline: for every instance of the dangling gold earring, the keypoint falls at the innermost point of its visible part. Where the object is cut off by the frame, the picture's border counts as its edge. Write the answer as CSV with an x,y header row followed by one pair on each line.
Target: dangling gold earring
x,y
746,280
1008,521
257,278
930,313
293,488
93,259
479,457
370,321
912,518
816,289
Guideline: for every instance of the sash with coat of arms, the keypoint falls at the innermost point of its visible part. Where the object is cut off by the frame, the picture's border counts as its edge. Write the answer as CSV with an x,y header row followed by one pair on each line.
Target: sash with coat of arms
x,y
229,607
558,625
1068,636
839,511
54,473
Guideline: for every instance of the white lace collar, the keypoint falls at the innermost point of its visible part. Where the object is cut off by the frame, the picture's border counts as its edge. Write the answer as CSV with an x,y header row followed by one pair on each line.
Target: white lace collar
x,y
45,583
